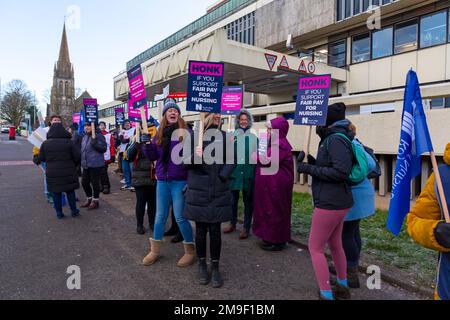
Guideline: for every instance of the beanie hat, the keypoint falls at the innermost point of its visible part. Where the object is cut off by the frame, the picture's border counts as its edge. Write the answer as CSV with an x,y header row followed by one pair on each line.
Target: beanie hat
x,y
336,112
170,103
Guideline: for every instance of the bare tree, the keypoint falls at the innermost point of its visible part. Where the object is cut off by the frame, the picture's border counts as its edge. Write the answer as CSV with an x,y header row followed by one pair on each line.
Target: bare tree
x,y
15,101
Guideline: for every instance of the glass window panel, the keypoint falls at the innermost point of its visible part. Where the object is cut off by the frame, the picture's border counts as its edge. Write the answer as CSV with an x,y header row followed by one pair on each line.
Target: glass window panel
x,y
361,48
356,7
348,8
339,6
366,4
338,54
433,29
382,43
406,37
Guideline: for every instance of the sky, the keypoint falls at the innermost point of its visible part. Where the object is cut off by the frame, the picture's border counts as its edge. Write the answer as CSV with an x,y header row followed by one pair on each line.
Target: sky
x,y
107,34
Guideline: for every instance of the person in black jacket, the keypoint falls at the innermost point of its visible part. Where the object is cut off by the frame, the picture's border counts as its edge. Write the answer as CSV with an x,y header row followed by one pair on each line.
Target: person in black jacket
x,y
208,196
61,157
332,199
144,182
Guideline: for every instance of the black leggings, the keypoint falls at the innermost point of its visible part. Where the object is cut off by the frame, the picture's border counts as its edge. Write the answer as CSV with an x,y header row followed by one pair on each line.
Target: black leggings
x,y
215,238
91,182
351,240
146,196
104,178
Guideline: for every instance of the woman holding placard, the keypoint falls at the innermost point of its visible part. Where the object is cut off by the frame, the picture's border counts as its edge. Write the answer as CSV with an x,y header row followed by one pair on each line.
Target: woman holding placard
x,y
171,183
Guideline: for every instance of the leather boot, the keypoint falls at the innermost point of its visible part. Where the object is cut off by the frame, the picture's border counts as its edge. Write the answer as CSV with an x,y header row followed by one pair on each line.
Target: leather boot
x,y
353,277
189,256
87,203
230,229
216,277
341,292
203,275
95,204
154,254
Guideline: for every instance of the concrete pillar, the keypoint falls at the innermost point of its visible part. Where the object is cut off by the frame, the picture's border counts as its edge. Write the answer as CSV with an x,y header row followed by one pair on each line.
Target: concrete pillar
x,y
383,178
425,173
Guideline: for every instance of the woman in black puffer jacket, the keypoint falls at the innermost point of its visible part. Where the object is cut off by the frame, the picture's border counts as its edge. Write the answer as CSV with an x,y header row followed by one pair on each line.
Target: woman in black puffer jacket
x,y
62,158
208,196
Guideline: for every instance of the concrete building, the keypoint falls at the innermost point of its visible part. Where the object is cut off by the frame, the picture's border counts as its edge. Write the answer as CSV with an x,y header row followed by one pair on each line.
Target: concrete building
x,y
367,50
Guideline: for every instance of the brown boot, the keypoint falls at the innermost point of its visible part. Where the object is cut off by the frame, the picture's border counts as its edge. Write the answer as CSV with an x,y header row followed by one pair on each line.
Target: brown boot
x,y
341,293
353,277
189,256
230,229
95,204
153,256
244,235
87,204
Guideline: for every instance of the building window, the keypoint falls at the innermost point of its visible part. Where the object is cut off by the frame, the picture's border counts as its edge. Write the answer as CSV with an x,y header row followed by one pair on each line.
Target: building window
x,y
406,36
440,103
338,54
356,7
433,29
348,8
361,48
242,30
382,43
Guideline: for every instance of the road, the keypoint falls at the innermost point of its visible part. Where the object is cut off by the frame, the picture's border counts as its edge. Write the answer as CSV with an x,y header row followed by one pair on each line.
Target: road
x,y
36,250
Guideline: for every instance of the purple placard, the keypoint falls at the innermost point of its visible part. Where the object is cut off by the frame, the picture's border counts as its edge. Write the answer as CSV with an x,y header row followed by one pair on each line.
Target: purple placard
x,y
134,115
119,115
90,110
76,118
138,94
232,99
312,100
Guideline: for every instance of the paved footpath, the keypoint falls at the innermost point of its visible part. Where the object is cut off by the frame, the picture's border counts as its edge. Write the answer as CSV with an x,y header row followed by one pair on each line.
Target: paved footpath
x,y
36,250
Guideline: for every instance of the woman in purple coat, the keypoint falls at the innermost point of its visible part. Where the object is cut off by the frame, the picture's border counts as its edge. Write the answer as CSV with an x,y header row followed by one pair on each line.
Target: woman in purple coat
x,y
274,184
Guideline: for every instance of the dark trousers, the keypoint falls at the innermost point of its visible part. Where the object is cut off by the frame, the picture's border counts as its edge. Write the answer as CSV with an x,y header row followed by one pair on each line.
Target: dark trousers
x,y
215,240
248,208
91,182
351,240
104,178
146,196
71,198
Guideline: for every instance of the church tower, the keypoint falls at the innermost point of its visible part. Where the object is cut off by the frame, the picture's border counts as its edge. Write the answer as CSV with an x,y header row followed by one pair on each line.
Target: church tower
x,y
62,100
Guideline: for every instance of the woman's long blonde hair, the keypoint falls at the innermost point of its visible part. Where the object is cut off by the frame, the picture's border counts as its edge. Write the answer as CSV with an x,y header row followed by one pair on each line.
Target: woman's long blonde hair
x,y
181,126
209,121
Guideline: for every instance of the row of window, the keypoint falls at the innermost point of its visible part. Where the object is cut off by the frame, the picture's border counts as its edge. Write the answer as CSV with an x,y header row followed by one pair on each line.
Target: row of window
x,y
423,32
348,8
243,29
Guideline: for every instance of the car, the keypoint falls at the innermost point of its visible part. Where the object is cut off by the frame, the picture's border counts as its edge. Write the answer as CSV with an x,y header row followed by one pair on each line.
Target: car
x,y
5,130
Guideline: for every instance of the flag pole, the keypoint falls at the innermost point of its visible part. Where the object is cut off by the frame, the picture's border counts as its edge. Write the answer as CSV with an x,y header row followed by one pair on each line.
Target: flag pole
x,y
440,187
307,144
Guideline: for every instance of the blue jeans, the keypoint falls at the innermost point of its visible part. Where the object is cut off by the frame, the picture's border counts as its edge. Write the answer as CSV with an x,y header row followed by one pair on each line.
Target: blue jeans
x,y
58,203
168,192
127,169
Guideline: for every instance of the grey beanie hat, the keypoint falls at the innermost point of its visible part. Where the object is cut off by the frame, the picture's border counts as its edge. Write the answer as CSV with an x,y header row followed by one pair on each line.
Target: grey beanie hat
x,y
170,103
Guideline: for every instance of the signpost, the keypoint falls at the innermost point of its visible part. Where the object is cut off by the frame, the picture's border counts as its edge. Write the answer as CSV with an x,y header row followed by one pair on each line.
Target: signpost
x,y
312,104
91,113
138,94
205,83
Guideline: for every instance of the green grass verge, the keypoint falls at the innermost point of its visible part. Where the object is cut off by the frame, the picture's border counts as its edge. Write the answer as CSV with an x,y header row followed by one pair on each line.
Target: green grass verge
x,y
378,244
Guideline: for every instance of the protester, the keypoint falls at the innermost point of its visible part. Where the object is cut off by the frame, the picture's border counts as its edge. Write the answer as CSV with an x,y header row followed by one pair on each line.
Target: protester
x,y
76,140
332,199
61,157
273,205
427,226
364,207
124,137
171,183
144,181
243,177
110,157
208,196
92,162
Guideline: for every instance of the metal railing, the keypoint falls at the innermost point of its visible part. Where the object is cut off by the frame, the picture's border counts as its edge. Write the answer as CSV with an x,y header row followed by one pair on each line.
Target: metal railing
x,y
195,27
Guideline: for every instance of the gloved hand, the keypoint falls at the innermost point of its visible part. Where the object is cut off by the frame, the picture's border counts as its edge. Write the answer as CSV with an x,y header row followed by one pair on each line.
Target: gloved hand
x,y
442,234
311,159
93,141
303,167
145,139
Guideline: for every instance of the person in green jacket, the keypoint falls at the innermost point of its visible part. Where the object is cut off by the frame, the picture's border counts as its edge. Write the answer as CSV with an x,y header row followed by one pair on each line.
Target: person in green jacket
x,y
243,177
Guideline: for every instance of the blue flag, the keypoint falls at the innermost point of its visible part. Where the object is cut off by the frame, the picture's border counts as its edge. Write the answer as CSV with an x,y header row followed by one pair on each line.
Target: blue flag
x,y
81,124
414,141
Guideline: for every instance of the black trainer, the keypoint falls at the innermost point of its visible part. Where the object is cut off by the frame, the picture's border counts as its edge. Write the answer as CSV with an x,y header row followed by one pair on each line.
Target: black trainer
x,y
140,230
216,277
203,275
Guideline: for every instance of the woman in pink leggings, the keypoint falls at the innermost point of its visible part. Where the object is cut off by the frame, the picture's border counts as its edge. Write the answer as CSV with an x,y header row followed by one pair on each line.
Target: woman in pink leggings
x,y
332,200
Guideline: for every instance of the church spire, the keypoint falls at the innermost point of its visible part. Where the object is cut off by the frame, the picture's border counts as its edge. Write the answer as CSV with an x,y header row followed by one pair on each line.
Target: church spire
x,y
64,49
